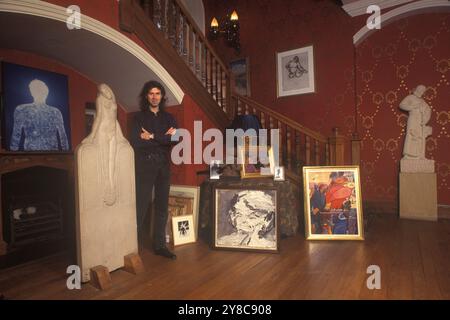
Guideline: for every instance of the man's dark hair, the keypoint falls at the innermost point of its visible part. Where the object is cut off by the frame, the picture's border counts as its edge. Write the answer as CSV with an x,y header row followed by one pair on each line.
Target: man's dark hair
x,y
143,102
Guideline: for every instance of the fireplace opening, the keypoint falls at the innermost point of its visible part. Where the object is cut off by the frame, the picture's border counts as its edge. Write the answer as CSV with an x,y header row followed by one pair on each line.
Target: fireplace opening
x,y
38,219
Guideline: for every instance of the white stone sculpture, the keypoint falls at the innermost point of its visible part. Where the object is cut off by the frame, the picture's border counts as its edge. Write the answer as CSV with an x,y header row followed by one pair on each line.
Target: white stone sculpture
x,y
417,132
106,202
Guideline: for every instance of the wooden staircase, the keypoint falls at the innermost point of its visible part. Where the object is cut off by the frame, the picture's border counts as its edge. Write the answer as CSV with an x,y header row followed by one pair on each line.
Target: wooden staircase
x,y
174,39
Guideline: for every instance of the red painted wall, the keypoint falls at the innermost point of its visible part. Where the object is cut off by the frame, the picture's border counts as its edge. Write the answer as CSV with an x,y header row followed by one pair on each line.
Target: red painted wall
x,y
391,63
185,115
271,26
106,11
81,89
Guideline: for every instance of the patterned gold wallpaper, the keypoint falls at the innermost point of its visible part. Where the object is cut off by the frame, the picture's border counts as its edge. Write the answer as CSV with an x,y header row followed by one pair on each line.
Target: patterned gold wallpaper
x,y
390,64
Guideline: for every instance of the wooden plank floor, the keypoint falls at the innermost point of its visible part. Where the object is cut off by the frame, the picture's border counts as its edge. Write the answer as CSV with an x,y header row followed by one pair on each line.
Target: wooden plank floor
x,y
414,258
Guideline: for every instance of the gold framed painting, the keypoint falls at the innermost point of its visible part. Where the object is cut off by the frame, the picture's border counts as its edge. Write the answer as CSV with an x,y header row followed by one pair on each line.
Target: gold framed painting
x,y
253,166
333,205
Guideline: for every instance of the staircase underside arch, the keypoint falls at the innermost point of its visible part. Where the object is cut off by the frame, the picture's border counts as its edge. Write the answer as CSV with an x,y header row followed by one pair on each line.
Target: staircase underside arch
x,y
417,7
98,51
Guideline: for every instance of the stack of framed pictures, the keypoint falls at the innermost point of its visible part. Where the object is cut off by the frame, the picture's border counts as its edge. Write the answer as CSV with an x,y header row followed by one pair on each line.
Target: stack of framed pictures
x,y
183,202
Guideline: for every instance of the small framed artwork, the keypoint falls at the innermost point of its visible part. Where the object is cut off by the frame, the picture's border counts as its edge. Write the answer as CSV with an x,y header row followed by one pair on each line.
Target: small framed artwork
x,y
215,169
279,174
295,72
183,230
333,209
178,206
240,69
246,219
253,166
183,200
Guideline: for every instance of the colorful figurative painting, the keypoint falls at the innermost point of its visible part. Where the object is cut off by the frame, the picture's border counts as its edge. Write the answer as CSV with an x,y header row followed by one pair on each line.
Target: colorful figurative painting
x,y
332,203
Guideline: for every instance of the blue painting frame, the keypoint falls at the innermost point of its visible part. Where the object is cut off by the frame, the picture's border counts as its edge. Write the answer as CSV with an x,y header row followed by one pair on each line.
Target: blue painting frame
x,y
36,114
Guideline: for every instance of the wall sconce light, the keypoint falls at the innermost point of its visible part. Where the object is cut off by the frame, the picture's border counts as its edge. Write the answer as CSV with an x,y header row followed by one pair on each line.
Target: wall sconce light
x,y
230,30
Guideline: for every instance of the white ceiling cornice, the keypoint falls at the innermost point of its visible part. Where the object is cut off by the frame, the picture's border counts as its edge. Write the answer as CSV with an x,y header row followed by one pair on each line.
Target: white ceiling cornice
x,y
416,7
359,7
58,13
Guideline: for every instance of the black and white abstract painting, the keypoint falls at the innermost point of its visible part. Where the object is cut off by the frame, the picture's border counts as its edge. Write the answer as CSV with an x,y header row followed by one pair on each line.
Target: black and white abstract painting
x,y
246,219
182,229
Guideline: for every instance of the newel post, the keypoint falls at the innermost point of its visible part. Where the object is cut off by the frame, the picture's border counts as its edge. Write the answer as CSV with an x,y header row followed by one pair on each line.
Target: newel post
x,y
337,148
356,149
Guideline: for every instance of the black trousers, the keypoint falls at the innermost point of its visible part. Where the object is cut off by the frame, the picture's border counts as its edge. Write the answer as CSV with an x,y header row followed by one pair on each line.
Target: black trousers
x,y
153,171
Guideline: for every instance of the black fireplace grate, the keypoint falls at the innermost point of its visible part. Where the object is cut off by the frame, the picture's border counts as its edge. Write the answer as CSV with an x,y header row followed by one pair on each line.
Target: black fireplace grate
x,y
33,220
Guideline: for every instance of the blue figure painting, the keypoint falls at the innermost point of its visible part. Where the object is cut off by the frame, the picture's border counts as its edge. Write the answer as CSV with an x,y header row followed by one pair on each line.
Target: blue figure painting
x,y
36,109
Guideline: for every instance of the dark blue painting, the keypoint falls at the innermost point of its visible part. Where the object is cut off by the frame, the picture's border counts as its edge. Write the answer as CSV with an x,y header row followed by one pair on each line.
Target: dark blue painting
x,y
36,109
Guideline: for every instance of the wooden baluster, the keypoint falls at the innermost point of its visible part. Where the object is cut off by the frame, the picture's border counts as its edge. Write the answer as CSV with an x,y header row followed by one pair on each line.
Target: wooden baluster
x,y
316,153
224,90
172,21
157,13
308,151
180,32
146,6
185,40
298,150
214,78
191,48
164,28
219,84
246,109
203,65
281,144
208,71
227,101
263,120
289,148
239,107
327,154
197,57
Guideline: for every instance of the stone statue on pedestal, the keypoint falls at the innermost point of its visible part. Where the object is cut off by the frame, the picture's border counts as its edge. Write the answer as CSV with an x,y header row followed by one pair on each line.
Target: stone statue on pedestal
x,y
106,198
417,131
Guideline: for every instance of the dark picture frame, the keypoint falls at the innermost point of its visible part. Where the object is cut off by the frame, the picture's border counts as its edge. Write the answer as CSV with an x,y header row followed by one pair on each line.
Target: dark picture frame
x,y
246,219
240,69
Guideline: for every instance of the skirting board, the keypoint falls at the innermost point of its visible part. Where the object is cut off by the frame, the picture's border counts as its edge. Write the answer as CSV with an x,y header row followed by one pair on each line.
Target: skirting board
x,y
391,207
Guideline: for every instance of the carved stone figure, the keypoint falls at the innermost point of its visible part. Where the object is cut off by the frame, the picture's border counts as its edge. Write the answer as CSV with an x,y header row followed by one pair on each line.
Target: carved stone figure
x,y
417,131
106,203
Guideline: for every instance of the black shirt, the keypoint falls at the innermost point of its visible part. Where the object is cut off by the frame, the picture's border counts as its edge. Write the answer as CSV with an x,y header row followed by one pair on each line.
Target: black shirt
x,y
158,124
